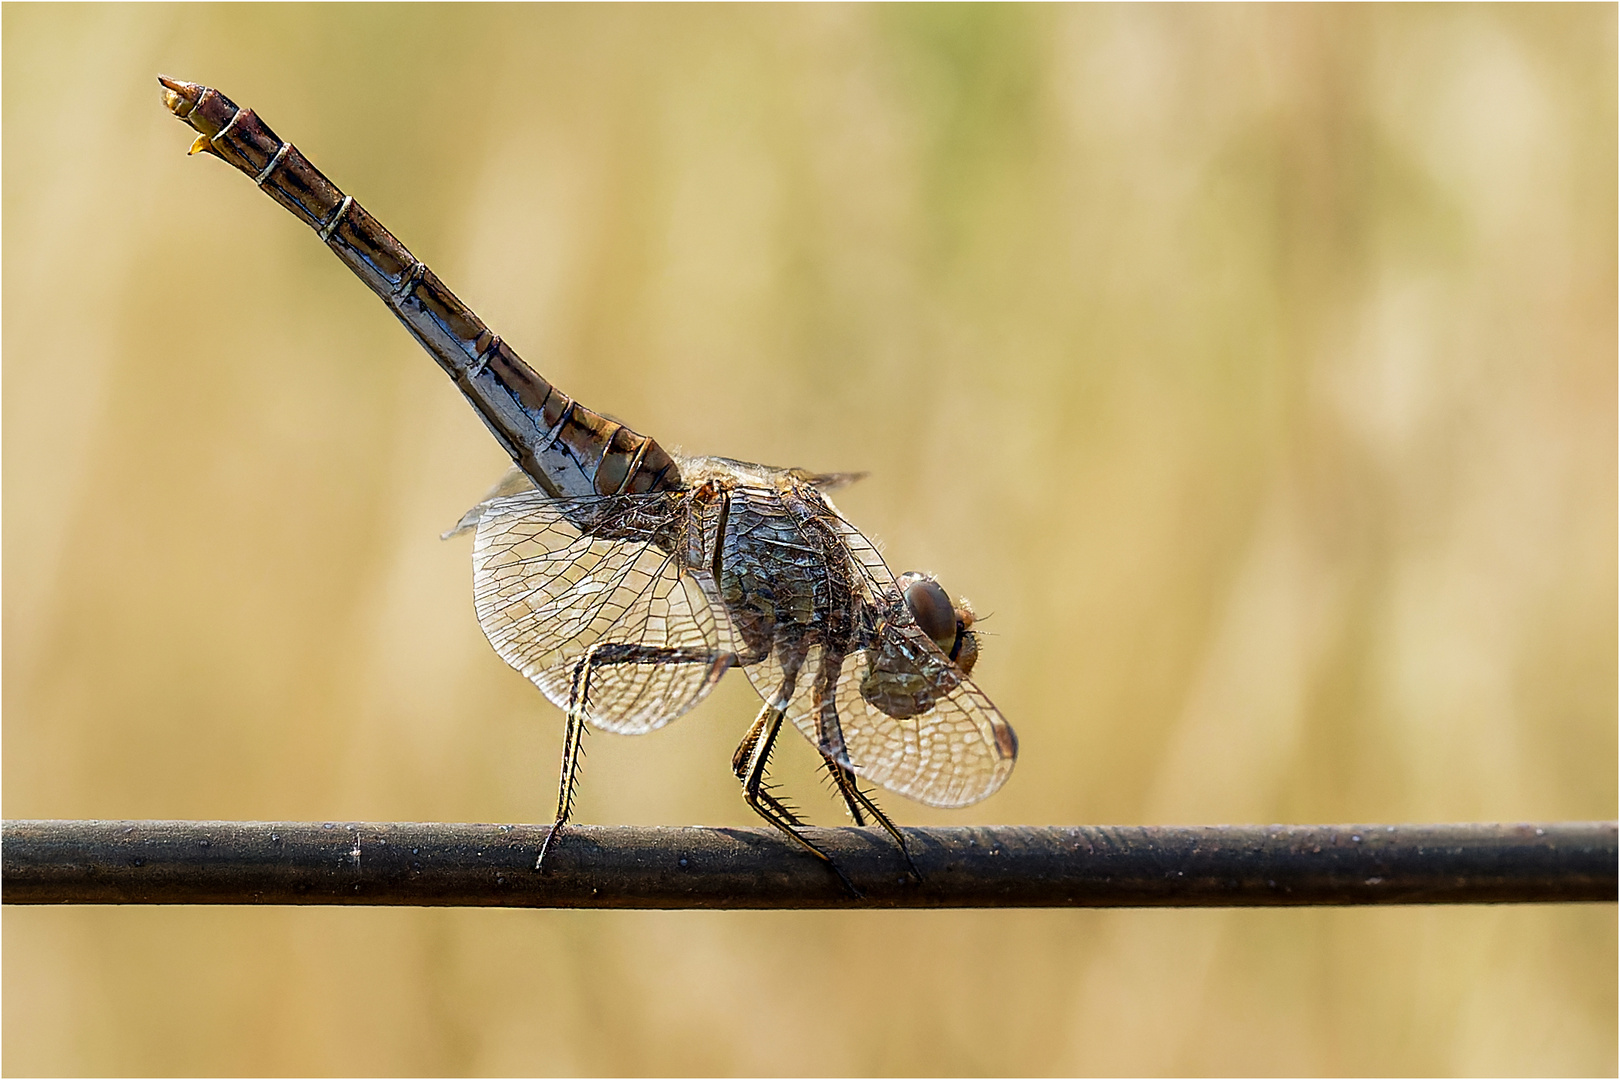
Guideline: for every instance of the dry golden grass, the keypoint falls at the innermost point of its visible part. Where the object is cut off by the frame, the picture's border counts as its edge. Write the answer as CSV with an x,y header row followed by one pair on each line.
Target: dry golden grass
x,y
1253,369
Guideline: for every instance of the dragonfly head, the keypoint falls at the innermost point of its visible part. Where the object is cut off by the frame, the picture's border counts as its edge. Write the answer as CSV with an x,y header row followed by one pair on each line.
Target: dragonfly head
x,y
949,625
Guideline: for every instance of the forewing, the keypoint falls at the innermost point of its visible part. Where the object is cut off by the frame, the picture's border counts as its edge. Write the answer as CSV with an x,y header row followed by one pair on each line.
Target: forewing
x,y
916,725
553,578
900,713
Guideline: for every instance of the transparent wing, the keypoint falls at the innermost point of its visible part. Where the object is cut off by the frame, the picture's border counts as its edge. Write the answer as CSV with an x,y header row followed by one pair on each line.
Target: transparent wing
x,y
893,708
900,715
913,723
553,578
512,481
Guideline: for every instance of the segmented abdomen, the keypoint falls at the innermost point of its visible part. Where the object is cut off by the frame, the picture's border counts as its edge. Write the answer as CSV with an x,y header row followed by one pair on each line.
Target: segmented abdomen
x,y
565,448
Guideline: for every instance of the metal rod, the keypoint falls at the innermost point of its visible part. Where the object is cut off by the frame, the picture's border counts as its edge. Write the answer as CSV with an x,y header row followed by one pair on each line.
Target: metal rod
x,y
595,866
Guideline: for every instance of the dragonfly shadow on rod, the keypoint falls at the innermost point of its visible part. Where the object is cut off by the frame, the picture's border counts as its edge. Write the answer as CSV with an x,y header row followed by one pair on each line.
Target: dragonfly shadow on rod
x,y
624,580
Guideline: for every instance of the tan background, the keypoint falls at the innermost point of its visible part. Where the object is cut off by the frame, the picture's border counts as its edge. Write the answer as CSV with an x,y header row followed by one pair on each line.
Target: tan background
x,y
1252,369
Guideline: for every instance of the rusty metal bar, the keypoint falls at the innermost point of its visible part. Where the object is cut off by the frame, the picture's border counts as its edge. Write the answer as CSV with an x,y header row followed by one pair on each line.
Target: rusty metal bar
x,y
236,862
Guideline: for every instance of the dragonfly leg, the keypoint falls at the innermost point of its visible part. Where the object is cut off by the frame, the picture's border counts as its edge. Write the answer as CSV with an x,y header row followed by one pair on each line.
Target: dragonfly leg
x,y
858,800
607,654
749,763
852,799
573,740
834,752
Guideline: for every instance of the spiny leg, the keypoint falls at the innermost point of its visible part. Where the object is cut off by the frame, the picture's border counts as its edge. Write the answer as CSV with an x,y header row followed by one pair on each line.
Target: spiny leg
x,y
600,655
749,763
745,749
573,737
858,800
743,759
857,812
830,741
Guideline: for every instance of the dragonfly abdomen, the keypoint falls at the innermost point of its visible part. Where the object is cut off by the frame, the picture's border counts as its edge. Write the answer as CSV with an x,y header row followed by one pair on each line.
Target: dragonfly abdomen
x,y
565,448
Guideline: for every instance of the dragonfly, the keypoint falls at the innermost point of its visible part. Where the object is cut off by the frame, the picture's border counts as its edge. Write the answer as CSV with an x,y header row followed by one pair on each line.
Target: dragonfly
x,y
624,580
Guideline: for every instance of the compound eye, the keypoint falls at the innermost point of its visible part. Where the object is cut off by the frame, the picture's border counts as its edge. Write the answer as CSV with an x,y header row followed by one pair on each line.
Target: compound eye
x,y
932,609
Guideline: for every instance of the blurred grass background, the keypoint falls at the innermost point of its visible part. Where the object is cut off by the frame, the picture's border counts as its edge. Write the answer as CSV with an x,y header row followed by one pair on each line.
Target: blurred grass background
x,y
1252,368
